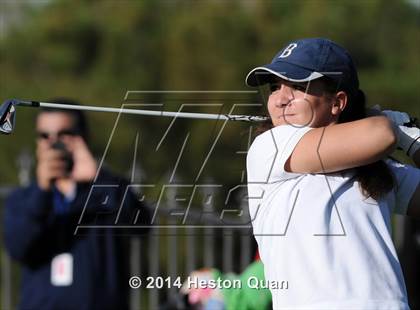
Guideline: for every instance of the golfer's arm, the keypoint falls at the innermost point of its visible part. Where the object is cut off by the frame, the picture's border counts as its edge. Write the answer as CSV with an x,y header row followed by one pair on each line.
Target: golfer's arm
x,y
343,146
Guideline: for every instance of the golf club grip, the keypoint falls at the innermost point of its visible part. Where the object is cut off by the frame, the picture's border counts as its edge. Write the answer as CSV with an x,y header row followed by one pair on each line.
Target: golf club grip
x,y
414,122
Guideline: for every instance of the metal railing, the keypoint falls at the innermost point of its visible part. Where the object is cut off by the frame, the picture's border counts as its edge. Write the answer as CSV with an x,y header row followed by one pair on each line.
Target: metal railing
x,y
164,252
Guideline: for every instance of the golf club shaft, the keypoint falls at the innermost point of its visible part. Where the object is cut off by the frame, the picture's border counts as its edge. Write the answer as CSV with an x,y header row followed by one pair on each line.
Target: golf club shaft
x,y
229,117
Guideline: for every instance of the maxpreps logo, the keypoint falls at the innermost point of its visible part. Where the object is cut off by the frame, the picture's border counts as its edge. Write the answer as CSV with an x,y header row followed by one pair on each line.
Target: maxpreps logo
x,y
177,199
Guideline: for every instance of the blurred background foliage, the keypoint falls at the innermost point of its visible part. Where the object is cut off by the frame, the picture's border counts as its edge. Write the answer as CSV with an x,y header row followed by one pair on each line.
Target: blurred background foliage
x,y
95,51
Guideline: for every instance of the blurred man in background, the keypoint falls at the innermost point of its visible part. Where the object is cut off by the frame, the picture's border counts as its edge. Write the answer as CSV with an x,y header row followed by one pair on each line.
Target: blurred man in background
x,y
63,269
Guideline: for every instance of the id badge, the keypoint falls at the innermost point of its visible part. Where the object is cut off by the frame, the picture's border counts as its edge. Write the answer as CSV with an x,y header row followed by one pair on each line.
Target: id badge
x,y
62,270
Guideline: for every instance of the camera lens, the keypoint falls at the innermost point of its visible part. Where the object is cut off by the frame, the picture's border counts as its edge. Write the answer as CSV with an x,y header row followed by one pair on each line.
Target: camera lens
x,y
67,156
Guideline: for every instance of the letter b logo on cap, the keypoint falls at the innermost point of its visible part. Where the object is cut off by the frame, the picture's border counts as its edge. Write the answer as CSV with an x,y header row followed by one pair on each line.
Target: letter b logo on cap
x,y
288,50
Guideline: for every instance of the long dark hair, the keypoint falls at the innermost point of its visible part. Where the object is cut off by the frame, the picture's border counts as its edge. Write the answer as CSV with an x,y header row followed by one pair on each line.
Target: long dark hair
x,y
375,179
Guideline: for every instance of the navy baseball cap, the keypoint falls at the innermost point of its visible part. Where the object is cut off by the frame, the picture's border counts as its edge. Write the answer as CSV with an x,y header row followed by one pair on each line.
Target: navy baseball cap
x,y
306,60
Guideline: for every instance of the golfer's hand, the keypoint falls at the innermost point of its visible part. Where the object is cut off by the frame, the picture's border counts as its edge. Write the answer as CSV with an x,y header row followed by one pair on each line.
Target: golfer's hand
x,y
408,137
85,165
397,117
50,165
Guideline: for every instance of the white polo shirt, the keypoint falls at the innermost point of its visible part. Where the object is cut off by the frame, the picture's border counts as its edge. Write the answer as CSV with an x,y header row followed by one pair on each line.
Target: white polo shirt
x,y
323,244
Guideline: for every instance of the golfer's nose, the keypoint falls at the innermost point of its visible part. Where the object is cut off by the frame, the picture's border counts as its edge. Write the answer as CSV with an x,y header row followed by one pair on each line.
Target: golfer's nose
x,y
284,96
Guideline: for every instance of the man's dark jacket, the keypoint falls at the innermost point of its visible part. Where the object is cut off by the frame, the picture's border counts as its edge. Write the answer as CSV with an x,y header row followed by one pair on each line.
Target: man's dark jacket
x,y
36,231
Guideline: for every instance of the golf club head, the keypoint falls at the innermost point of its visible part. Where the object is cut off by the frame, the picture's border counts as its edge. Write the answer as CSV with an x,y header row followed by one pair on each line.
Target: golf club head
x,y
7,116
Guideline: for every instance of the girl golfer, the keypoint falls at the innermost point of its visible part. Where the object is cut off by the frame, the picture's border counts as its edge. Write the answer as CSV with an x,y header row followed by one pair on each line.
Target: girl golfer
x,y
321,189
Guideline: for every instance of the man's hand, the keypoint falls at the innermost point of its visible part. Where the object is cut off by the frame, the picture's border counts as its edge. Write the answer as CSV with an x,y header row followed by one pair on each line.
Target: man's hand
x,y
85,165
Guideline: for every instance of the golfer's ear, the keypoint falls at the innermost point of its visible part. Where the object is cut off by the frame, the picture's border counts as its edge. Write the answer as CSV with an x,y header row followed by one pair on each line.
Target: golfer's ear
x,y
339,103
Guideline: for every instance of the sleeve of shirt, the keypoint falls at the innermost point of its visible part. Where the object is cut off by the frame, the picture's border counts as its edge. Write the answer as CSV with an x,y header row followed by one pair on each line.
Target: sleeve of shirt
x,y
407,180
26,223
270,151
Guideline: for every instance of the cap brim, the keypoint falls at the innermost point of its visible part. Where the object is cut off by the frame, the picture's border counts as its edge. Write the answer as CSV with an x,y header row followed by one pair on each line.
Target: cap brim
x,y
263,75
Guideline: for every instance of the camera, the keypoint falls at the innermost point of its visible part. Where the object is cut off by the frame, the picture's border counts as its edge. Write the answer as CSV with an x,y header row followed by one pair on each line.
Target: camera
x,y
67,156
